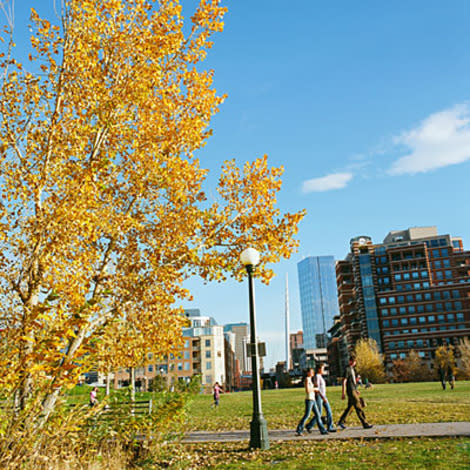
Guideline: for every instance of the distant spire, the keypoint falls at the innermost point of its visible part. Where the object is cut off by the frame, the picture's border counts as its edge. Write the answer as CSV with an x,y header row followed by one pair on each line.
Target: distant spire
x,y
287,324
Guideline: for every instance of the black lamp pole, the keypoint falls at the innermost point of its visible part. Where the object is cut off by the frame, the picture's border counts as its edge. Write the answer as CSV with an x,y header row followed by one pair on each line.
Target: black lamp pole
x,y
259,438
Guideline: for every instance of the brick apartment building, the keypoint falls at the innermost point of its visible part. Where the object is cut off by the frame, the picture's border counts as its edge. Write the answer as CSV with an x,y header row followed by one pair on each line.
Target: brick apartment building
x,y
411,292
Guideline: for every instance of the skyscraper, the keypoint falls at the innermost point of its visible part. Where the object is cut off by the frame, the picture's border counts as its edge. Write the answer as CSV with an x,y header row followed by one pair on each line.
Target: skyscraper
x,y
318,298
411,292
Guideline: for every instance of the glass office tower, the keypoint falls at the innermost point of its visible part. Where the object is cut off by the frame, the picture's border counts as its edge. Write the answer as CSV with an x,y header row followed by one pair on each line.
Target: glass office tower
x,y
318,298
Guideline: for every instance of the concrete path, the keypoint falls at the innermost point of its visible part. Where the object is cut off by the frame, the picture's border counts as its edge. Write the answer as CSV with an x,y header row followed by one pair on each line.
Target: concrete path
x,y
380,431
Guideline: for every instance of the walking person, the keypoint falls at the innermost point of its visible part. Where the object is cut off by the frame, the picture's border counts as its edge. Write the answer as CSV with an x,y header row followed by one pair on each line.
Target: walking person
x,y
442,377
94,396
450,377
350,387
310,405
321,400
217,390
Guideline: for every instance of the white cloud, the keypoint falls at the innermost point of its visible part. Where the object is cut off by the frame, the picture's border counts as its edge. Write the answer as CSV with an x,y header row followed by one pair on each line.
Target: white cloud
x,y
327,183
440,140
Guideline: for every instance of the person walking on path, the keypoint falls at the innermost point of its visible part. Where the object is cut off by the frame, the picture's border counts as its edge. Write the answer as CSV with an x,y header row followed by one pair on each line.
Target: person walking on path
x,y
320,399
350,387
310,405
217,390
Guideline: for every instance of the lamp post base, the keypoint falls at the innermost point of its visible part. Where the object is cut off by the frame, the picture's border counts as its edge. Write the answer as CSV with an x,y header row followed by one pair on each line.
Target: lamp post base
x,y
259,438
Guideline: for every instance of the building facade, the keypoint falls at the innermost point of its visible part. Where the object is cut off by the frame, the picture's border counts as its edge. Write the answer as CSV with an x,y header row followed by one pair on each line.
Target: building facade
x,y
241,332
318,298
411,292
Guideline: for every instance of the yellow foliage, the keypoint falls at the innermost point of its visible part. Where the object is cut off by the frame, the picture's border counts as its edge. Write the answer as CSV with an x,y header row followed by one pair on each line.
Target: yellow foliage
x,y
103,214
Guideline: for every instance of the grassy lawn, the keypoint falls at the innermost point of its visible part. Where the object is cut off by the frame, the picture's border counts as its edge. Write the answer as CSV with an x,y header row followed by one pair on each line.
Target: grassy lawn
x,y
380,454
388,403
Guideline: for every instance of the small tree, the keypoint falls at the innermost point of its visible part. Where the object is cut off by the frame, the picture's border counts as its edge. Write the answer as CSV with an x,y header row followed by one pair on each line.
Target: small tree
x,y
400,371
464,359
411,369
369,360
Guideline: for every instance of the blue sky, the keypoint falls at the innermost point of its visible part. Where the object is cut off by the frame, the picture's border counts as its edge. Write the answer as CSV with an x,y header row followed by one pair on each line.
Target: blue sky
x,y
366,105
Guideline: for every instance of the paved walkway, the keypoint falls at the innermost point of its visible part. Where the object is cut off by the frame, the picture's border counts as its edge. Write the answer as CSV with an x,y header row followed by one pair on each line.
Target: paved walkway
x,y
381,431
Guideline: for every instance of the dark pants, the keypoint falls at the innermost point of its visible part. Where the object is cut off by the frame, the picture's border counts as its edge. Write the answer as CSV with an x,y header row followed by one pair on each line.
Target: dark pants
x,y
353,401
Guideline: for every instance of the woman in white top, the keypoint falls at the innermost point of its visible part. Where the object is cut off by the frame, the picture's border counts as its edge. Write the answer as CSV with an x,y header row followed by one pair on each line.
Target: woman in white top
x,y
310,405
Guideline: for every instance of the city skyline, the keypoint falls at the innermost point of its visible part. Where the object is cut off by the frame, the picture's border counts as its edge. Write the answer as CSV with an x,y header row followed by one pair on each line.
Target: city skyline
x,y
365,105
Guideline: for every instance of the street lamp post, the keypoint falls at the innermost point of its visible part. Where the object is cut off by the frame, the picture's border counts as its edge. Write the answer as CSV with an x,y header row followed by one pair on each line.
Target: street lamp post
x,y
258,427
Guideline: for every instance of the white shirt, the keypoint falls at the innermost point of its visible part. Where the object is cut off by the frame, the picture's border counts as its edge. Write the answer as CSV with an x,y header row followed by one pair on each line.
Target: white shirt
x,y
310,389
321,384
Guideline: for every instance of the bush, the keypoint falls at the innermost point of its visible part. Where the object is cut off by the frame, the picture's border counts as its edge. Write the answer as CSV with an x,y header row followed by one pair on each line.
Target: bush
x,y
84,437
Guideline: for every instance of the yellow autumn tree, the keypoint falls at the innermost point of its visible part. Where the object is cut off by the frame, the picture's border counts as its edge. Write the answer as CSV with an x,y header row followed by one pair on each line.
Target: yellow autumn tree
x,y
370,363
103,214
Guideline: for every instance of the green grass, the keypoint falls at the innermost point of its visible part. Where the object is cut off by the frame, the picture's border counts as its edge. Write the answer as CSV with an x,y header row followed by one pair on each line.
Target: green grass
x,y
387,403
409,454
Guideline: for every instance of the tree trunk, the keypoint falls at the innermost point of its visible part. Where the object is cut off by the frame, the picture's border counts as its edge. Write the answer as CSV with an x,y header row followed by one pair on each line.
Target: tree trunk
x,y
108,383
132,384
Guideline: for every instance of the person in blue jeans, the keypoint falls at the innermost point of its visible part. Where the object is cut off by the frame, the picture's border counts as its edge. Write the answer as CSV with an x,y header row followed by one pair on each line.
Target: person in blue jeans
x,y
321,400
310,405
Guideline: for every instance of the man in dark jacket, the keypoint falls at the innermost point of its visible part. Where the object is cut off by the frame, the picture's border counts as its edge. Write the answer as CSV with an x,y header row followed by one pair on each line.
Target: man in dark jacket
x,y
350,387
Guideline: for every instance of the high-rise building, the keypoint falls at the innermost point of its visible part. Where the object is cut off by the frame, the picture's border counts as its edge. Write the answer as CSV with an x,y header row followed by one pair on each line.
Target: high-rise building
x,y
411,292
318,298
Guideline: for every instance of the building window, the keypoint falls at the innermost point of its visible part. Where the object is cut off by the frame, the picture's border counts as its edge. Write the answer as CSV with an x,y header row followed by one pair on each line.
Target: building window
x,y
413,321
391,300
187,366
208,354
394,322
422,319
393,311
446,295
404,321
208,365
420,308
180,366
208,343
460,317
186,344
386,323
458,305
450,317
402,310
186,355
437,264
411,309
384,312
455,294
431,319
448,274
150,368
427,296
